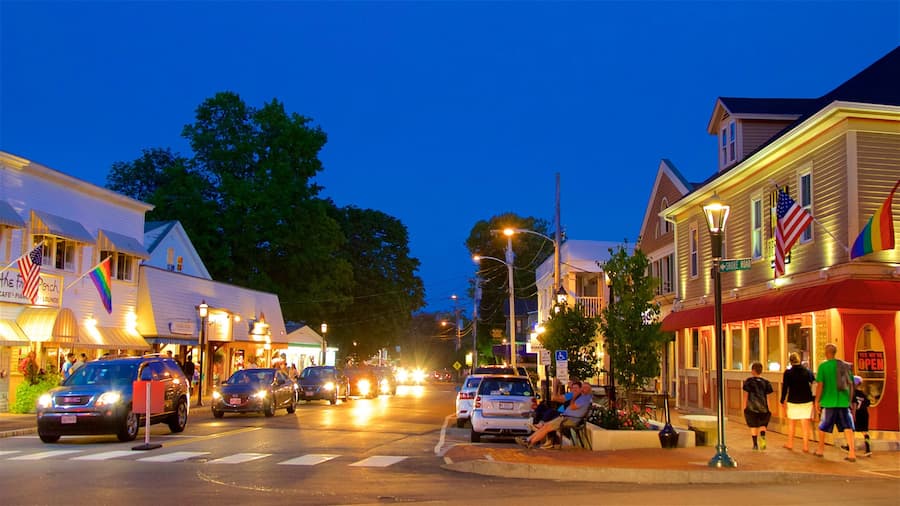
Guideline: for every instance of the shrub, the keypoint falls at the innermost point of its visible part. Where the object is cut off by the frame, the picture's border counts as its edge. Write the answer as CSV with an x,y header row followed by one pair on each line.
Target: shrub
x,y
27,394
619,419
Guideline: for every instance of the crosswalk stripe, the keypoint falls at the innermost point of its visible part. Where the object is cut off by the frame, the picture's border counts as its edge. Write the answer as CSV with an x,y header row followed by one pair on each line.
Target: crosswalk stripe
x,y
105,455
378,461
309,460
8,452
173,457
238,458
44,455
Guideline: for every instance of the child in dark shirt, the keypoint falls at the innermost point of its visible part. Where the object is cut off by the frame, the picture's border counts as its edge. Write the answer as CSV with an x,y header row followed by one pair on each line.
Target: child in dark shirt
x,y
756,405
859,404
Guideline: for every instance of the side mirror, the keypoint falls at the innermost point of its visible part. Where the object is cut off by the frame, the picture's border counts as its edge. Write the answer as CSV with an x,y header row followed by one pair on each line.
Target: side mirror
x,y
458,388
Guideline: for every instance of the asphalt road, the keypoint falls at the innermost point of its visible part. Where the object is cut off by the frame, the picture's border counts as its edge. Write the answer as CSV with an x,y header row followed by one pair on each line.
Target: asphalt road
x,y
366,451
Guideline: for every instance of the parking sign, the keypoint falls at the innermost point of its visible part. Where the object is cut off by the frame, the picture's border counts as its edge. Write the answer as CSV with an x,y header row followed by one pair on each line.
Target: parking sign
x,y
562,355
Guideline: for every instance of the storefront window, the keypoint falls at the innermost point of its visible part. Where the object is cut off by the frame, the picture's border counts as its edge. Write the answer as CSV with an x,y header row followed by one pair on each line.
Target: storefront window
x,y
753,344
799,340
695,348
737,348
870,365
773,347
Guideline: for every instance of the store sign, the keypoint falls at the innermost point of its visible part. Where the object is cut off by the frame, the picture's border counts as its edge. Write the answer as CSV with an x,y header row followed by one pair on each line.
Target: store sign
x,y
182,327
869,361
50,289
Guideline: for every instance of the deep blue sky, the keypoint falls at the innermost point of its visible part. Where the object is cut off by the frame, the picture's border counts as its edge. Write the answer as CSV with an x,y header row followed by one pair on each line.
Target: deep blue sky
x,y
437,113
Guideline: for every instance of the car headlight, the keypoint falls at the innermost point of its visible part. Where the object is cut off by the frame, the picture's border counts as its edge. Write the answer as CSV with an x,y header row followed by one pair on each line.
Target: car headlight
x,y
364,386
402,375
419,376
385,386
45,401
216,395
109,398
328,386
261,394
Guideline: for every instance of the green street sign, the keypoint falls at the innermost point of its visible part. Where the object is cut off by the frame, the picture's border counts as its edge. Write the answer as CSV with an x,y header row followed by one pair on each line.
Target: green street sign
x,y
734,264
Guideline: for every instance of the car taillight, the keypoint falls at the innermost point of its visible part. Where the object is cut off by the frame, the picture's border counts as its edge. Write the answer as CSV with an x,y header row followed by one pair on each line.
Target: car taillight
x,y
466,395
477,401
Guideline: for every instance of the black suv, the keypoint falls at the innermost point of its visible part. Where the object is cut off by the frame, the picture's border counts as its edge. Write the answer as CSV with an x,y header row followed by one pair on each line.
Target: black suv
x,y
96,399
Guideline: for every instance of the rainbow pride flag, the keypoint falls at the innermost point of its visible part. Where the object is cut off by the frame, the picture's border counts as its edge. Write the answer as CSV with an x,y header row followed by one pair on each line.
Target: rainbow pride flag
x,y
878,234
101,278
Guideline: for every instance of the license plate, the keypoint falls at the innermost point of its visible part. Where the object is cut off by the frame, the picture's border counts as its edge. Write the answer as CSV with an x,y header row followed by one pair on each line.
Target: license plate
x,y
506,405
235,400
71,400
309,392
68,419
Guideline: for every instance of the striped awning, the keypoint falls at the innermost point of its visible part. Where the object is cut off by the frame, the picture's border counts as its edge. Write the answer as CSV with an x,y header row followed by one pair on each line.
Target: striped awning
x,y
38,322
110,338
9,217
11,334
62,227
123,244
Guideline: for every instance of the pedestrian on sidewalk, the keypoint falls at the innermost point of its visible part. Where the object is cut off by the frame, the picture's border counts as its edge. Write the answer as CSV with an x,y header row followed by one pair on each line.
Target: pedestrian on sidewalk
x,y
860,407
834,401
756,405
797,400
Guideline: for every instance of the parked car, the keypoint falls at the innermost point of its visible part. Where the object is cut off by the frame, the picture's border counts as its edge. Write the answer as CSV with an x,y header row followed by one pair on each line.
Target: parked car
x,y
255,390
503,406
443,375
363,381
465,398
501,369
97,399
322,383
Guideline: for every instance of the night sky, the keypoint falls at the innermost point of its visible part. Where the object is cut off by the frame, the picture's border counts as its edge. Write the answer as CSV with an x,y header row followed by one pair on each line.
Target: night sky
x,y
437,113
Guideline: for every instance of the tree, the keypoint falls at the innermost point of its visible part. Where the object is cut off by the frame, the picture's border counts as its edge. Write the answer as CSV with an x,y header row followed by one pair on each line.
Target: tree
x,y
629,322
530,251
386,290
568,329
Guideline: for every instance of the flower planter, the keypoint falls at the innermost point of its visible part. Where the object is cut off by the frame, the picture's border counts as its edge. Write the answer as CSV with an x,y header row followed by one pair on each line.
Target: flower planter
x,y
602,439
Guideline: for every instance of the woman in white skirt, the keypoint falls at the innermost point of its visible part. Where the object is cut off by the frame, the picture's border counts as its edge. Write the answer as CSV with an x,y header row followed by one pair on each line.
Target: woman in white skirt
x,y
797,400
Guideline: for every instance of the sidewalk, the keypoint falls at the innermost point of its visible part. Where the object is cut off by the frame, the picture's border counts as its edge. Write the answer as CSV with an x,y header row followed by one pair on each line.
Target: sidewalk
x,y
679,465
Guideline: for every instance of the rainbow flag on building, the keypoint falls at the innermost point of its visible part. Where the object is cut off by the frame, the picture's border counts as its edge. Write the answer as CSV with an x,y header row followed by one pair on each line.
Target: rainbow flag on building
x,y
878,234
101,278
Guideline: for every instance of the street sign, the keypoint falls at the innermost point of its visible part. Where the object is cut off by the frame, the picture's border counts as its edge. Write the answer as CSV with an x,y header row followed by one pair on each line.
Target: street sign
x,y
562,365
734,264
544,356
457,365
562,355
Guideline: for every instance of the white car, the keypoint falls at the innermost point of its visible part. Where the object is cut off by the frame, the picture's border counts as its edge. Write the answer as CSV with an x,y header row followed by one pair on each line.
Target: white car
x,y
503,406
465,398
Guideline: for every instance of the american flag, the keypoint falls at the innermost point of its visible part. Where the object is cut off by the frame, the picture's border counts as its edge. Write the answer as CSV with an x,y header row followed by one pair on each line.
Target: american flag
x,y
792,221
30,270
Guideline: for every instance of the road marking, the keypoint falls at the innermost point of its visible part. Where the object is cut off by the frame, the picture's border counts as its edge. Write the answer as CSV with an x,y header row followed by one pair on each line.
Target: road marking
x,y
378,461
105,455
195,439
309,460
8,452
438,451
173,457
44,455
238,458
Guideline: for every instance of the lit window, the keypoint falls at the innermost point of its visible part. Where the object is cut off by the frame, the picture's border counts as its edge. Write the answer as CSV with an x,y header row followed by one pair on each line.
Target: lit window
x,y
806,203
695,265
756,237
57,252
731,141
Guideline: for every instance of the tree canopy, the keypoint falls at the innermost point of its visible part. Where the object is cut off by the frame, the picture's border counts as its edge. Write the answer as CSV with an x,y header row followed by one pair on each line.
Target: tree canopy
x,y
568,329
247,199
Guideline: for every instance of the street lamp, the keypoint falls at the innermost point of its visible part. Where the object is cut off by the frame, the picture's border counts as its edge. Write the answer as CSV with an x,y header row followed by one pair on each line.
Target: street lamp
x,y
512,300
509,232
716,213
324,329
203,311
456,312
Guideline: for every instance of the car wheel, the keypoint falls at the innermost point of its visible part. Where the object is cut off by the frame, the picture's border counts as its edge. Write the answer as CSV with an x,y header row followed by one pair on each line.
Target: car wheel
x,y
217,413
49,438
292,406
476,437
269,410
129,429
460,422
333,399
178,420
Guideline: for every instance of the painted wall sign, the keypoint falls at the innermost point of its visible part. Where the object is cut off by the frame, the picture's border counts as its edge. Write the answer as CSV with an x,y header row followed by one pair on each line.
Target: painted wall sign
x,y
50,289
183,327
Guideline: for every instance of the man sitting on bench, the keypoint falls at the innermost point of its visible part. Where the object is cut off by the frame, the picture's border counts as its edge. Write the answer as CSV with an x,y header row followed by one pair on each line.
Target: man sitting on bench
x,y
582,398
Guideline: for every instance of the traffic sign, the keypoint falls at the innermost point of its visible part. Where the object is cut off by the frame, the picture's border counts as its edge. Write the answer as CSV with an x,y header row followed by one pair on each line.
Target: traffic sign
x,y
734,264
544,356
457,365
562,355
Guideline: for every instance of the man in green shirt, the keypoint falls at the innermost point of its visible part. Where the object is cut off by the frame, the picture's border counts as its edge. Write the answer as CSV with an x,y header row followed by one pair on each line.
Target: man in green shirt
x,y
834,402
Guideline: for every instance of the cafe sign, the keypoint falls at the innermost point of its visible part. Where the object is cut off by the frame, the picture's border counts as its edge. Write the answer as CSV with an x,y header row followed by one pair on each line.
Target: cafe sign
x,y
869,361
50,289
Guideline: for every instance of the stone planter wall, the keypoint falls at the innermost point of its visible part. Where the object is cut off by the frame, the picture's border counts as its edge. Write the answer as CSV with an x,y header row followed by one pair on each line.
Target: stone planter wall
x,y
602,439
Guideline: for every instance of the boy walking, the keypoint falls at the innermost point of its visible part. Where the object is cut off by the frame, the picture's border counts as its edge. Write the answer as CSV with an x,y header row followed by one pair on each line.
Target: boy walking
x,y
756,405
860,405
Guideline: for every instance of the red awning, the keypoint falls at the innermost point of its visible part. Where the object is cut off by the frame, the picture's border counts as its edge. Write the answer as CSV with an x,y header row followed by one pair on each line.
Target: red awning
x,y
848,294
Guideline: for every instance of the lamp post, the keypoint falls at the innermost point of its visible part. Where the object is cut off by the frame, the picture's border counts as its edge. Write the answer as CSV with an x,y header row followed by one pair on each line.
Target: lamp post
x,y
324,329
203,311
512,300
509,232
716,213
456,313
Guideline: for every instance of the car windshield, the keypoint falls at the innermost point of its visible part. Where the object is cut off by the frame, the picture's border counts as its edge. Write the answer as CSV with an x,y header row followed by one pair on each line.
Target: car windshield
x,y
255,377
316,373
505,386
104,373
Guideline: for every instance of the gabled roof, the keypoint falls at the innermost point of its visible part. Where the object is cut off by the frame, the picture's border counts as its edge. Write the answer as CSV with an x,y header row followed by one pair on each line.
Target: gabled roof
x,y
667,170
785,109
155,231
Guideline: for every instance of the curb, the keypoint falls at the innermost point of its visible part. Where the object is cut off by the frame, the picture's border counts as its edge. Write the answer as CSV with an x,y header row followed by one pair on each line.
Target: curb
x,y
18,432
624,475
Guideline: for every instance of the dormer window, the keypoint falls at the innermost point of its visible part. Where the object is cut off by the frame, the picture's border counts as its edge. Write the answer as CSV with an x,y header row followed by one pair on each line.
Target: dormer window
x,y
728,140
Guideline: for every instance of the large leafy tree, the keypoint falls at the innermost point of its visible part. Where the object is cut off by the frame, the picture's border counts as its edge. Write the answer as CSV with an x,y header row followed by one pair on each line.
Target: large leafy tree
x,y
386,290
569,329
530,251
629,322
